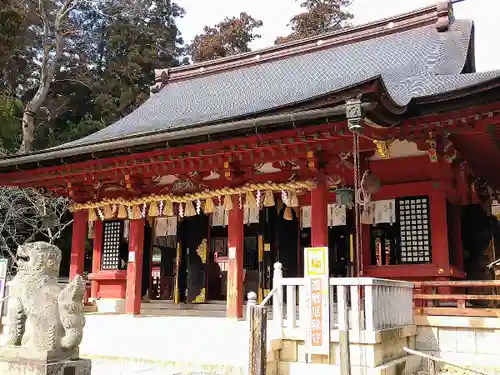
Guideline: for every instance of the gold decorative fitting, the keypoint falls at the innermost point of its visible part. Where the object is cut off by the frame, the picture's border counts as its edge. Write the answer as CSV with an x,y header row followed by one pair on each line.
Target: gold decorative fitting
x,y
200,298
122,212
168,210
250,200
108,212
153,210
92,215
202,251
228,202
294,200
136,213
383,148
189,210
269,199
209,206
288,215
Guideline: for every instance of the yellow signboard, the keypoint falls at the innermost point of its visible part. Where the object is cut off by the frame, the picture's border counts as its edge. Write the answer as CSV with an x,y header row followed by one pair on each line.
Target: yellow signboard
x,y
316,261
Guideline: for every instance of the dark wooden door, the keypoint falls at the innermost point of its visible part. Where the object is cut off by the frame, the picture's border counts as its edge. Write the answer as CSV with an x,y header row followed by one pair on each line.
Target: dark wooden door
x,y
194,234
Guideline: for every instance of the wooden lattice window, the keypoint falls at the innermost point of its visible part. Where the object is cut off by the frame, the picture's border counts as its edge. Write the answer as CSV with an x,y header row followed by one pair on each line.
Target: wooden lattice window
x,y
415,229
113,233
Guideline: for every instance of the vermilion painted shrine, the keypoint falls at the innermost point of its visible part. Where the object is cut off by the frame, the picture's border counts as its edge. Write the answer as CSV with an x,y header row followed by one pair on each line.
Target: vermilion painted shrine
x,y
236,163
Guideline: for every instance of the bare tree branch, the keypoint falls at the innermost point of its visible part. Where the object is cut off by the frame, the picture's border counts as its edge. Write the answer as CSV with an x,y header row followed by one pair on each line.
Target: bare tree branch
x,y
27,215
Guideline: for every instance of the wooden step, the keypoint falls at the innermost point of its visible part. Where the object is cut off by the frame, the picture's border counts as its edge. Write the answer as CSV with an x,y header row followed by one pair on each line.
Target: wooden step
x,y
165,305
171,312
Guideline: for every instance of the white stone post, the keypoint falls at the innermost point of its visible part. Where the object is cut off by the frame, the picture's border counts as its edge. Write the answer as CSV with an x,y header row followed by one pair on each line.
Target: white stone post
x,y
278,298
251,301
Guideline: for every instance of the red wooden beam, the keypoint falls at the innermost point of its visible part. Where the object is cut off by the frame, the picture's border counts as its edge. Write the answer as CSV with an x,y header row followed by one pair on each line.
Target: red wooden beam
x,y
251,156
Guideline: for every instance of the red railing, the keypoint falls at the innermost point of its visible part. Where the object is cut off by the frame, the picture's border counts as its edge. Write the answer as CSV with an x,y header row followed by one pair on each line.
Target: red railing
x,y
457,298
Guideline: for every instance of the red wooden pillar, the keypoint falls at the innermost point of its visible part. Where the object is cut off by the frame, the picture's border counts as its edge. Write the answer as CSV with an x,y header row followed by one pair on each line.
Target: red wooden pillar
x,y
458,232
96,255
319,213
439,233
78,244
235,261
134,267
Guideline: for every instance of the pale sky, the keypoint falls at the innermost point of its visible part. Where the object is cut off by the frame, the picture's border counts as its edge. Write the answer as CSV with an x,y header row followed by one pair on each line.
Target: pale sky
x,y
276,14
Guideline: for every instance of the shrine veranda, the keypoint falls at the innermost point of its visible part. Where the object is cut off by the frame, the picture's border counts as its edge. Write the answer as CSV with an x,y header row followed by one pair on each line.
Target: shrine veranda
x,y
240,162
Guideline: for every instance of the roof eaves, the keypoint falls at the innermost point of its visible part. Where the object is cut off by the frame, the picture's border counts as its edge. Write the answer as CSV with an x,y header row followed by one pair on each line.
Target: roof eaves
x,y
60,153
459,93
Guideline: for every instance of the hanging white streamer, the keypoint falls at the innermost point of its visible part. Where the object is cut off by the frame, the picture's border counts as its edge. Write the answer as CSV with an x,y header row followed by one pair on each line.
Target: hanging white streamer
x,y
100,213
258,198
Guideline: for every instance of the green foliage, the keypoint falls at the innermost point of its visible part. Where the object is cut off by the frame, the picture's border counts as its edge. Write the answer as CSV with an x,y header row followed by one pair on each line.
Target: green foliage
x,y
11,110
229,37
111,50
319,17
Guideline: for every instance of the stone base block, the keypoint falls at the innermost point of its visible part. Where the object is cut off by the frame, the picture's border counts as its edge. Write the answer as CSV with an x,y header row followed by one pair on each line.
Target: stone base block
x,y
110,305
27,367
407,365
17,353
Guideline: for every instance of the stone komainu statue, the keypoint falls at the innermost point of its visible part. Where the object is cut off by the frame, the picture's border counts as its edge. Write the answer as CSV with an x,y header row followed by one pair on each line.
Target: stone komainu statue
x,y
40,315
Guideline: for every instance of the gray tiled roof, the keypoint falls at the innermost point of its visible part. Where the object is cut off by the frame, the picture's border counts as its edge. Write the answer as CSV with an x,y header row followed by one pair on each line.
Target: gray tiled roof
x,y
416,63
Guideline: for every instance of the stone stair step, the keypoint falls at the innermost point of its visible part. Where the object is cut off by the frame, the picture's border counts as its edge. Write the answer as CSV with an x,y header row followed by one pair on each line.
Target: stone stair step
x,y
153,305
172,312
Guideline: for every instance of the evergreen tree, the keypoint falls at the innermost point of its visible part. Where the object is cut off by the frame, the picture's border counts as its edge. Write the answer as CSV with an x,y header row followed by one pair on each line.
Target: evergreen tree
x,y
229,37
319,17
111,49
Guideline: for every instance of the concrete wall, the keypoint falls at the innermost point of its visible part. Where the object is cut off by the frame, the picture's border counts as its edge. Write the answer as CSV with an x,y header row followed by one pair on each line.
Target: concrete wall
x,y
221,346
379,352
468,341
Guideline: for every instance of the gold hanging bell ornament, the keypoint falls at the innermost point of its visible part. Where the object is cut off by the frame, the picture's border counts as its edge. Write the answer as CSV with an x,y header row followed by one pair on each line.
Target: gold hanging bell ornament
x,y
92,215
122,212
209,206
91,231
153,210
293,201
288,215
269,199
168,210
136,213
250,200
228,203
189,210
108,212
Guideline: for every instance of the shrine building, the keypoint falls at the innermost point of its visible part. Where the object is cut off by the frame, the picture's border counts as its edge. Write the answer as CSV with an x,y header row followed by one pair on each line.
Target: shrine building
x,y
239,162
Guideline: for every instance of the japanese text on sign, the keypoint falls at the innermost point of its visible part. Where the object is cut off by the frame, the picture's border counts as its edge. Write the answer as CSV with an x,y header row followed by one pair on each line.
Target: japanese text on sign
x,y
316,272
316,313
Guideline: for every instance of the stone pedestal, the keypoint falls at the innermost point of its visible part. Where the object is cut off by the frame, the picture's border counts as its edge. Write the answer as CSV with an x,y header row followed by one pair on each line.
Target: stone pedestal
x,y
20,361
26,367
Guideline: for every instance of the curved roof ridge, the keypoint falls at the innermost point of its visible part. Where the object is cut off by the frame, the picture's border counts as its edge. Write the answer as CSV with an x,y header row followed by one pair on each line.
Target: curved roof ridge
x,y
374,29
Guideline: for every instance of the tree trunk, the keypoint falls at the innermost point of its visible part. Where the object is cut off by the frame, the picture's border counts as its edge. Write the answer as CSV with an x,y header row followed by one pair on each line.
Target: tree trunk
x,y
28,132
47,70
